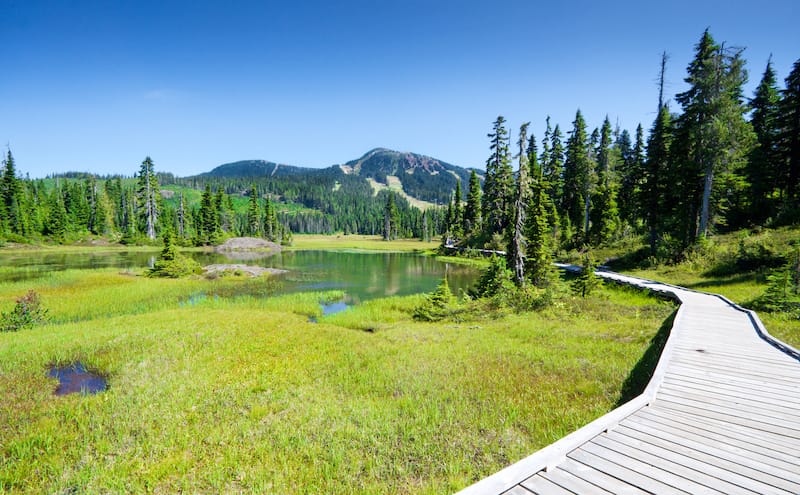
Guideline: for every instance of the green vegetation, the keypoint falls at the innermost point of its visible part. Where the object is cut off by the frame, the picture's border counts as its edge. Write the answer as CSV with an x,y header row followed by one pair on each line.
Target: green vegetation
x,y
27,313
171,263
218,386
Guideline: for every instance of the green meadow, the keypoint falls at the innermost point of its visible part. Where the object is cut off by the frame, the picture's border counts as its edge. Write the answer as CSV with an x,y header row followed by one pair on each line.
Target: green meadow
x,y
226,386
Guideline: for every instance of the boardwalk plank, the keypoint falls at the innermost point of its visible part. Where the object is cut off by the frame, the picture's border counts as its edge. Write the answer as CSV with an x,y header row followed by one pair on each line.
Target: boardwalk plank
x,y
599,478
542,486
620,471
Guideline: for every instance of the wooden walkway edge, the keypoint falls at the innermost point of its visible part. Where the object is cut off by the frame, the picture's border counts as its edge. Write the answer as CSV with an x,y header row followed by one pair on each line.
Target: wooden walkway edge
x,y
721,414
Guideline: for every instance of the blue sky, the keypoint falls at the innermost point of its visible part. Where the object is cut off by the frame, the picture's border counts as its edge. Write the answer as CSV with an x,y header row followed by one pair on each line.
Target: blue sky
x,y
97,86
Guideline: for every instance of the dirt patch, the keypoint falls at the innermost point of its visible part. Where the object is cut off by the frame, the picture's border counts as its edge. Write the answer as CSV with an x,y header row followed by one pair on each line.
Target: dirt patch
x,y
247,244
239,269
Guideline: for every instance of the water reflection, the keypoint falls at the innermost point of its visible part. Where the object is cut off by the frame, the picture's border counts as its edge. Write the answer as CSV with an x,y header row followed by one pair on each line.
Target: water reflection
x,y
361,275
74,378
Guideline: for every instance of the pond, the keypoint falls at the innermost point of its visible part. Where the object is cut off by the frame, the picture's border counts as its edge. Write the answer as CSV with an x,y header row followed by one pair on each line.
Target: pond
x,y
361,275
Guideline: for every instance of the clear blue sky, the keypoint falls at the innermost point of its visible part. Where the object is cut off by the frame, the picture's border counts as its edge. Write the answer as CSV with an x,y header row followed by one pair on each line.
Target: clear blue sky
x,y
98,85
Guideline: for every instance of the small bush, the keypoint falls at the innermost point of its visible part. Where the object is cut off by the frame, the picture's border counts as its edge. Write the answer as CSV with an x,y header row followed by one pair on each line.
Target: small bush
x,y
172,264
28,312
587,281
437,305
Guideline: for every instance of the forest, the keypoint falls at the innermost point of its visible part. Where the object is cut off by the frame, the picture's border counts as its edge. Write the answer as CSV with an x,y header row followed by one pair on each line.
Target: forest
x,y
719,161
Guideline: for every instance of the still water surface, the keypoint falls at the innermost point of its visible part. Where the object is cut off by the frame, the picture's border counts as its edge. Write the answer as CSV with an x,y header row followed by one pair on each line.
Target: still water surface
x,y
360,275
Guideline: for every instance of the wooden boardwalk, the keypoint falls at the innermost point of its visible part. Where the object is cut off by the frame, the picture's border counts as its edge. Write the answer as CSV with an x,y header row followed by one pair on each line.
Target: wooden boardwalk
x,y
721,414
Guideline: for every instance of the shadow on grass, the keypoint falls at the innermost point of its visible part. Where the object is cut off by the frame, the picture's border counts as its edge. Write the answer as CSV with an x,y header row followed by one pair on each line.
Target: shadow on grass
x,y
640,375
722,282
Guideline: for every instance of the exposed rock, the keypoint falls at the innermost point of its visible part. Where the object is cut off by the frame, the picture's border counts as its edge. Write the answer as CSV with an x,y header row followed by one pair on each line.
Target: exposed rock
x,y
247,244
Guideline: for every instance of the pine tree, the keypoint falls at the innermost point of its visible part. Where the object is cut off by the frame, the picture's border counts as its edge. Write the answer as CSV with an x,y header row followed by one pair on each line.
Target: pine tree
x,y
390,219
516,241
56,219
271,228
181,216
577,177
790,138
472,212
498,188
653,187
208,226
762,170
147,195
538,262
717,138
457,213
254,213
604,214
12,214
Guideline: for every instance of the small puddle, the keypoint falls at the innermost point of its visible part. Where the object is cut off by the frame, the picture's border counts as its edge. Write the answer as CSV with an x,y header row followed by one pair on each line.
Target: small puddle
x,y
74,378
330,309
333,308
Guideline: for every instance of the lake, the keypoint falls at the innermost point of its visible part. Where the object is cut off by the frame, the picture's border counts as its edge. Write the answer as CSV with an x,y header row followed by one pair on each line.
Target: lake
x,y
360,275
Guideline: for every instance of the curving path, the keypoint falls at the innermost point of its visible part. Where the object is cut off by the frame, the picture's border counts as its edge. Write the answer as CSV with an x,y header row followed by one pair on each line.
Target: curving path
x,y
721,414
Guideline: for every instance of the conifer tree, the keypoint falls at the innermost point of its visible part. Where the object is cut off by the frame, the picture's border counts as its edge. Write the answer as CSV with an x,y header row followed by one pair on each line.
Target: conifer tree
x,y
390,219
577,177
538,262
472,212
147,195
498,188
253,213
12,213
716,137
457,213
790,138
655,179
181,216
762,168
604,214
516,240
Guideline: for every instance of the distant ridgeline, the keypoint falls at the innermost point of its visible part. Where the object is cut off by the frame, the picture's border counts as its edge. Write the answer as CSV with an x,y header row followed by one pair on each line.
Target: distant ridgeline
x,y
249,197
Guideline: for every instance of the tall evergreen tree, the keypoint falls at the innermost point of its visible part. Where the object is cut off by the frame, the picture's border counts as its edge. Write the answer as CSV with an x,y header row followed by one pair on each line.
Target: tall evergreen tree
x,y
604,214
498,187
390,219
653,186
148,195
717,138
472,212
457,220
12,214
762,168
253,213
790,138
577,177
516,241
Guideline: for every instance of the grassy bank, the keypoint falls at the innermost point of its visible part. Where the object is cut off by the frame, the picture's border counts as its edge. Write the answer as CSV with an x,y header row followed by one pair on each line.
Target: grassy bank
x,y
215,388
735,265
359,242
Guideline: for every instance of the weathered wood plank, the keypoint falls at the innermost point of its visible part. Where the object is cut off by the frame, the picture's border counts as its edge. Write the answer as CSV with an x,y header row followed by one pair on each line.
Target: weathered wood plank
x,y
572,483
734,444
622,472
745,472
543,486
599,478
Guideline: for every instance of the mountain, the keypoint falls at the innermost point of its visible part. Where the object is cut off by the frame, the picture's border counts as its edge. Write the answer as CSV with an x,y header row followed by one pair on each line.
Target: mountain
x,y
420,177
255,168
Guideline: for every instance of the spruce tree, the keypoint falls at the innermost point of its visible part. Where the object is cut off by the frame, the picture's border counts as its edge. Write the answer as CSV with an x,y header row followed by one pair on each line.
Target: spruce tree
x,y
604,214
472,212
790,138
390,219
762,168
498,188
577,178
254,213
147,195
716,137
652,196
515,253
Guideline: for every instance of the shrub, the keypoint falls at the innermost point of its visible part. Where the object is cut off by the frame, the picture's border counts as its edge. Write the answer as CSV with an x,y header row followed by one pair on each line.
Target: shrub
x,y
587,281
172,264
783,288
437,305
28,312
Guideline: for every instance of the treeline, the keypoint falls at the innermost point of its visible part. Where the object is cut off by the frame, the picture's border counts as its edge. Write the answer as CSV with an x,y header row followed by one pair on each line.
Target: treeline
x,y
720,162
199,210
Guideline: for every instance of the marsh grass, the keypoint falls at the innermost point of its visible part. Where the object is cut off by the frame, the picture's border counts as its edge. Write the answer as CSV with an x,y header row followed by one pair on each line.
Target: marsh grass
x,y
238,392
359,243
